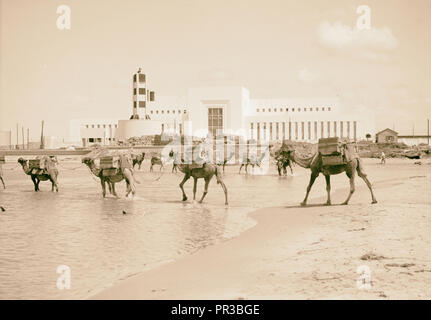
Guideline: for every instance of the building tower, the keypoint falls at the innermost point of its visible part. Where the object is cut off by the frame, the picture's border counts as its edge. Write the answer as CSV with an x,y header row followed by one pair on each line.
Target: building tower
x,y
141,96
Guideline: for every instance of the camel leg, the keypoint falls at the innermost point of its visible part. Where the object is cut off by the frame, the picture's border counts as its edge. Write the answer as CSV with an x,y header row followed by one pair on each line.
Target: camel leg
x,y
279,169
128,175
207,182
328,189
113,189
195,183
242,165
34,182
351,176
186,177
151,168
363,175
219,180
102,182
310,184
291,170
2,181
161,167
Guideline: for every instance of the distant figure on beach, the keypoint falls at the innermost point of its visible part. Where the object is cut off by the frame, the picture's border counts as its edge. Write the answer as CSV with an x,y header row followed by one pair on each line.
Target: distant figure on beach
x,y
382,158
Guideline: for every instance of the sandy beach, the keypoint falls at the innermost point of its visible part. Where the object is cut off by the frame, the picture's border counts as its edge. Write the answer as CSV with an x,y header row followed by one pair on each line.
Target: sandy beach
x,y
313,252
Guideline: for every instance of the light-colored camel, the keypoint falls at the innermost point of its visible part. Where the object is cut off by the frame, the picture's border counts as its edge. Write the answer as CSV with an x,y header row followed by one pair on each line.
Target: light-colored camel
x,y
352,166
1,176
156,160
252,162
121,174
50,172
225,160
206,171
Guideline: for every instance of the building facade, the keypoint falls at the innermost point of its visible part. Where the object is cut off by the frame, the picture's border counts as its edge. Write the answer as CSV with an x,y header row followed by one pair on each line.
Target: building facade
x,y
230,110
226,110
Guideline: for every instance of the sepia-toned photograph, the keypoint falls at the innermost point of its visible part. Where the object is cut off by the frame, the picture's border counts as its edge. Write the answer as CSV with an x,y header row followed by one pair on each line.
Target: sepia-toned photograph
x,y
229,150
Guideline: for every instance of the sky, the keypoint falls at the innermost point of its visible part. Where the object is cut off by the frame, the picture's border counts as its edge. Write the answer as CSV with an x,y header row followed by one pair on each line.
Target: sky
x,y
275,48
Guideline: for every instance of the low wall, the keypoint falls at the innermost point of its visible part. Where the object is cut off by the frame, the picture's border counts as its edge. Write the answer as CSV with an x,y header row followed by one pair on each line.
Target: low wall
x,y
137,128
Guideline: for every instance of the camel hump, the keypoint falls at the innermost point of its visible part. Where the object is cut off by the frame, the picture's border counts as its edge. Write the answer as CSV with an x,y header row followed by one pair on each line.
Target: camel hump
x,y
195,165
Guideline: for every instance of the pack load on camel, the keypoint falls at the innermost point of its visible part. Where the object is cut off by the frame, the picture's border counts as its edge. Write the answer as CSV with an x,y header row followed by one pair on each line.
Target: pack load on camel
x,y
41,169
111,166
2,160
331,151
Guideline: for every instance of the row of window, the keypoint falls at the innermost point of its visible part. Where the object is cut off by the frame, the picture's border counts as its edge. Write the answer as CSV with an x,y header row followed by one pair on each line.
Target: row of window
x,y
99,139
101,125
297,109
167,111
301,129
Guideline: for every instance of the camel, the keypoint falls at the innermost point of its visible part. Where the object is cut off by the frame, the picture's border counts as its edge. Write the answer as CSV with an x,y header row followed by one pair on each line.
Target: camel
x,y
282,163
121,174
252,162
205,171
37,175
138,159
156,160
1,176
314,163
174,155
225,160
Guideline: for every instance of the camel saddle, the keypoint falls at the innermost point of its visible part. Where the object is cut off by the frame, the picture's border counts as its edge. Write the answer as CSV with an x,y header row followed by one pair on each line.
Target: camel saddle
x,y
110,172
331,151
38,171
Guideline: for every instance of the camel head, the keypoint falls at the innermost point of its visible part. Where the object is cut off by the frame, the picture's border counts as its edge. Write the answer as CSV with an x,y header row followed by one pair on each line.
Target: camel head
x,y
22,161
87,160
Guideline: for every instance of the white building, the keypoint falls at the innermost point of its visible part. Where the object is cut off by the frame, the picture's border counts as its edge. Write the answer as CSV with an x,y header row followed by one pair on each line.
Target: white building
x,y
230,110
89,131
226,110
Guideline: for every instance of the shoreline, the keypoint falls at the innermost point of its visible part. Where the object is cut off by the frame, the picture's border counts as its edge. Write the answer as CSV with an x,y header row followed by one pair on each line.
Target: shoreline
x,y
253,265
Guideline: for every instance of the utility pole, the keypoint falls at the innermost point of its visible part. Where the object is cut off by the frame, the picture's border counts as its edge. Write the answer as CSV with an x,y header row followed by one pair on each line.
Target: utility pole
x,y
42,144
23,137
428,131
17,137
28,138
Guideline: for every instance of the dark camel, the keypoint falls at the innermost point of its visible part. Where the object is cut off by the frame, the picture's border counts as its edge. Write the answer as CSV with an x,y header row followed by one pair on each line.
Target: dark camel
x,y
282,163
121,174
314,163
50,172
138,159
205,171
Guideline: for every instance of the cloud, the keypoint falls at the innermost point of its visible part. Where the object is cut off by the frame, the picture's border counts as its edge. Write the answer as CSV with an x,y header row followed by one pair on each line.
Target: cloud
x,y
306,75
371,43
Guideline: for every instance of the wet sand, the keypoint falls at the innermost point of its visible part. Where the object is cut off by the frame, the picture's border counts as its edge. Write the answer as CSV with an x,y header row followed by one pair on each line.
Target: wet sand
x,y
314,252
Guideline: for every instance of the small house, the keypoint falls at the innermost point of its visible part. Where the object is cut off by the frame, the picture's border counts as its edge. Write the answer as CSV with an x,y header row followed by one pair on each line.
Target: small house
x,y
387,136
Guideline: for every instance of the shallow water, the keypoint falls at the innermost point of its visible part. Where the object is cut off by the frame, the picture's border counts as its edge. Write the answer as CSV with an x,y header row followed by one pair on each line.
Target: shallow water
x,y
77,227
